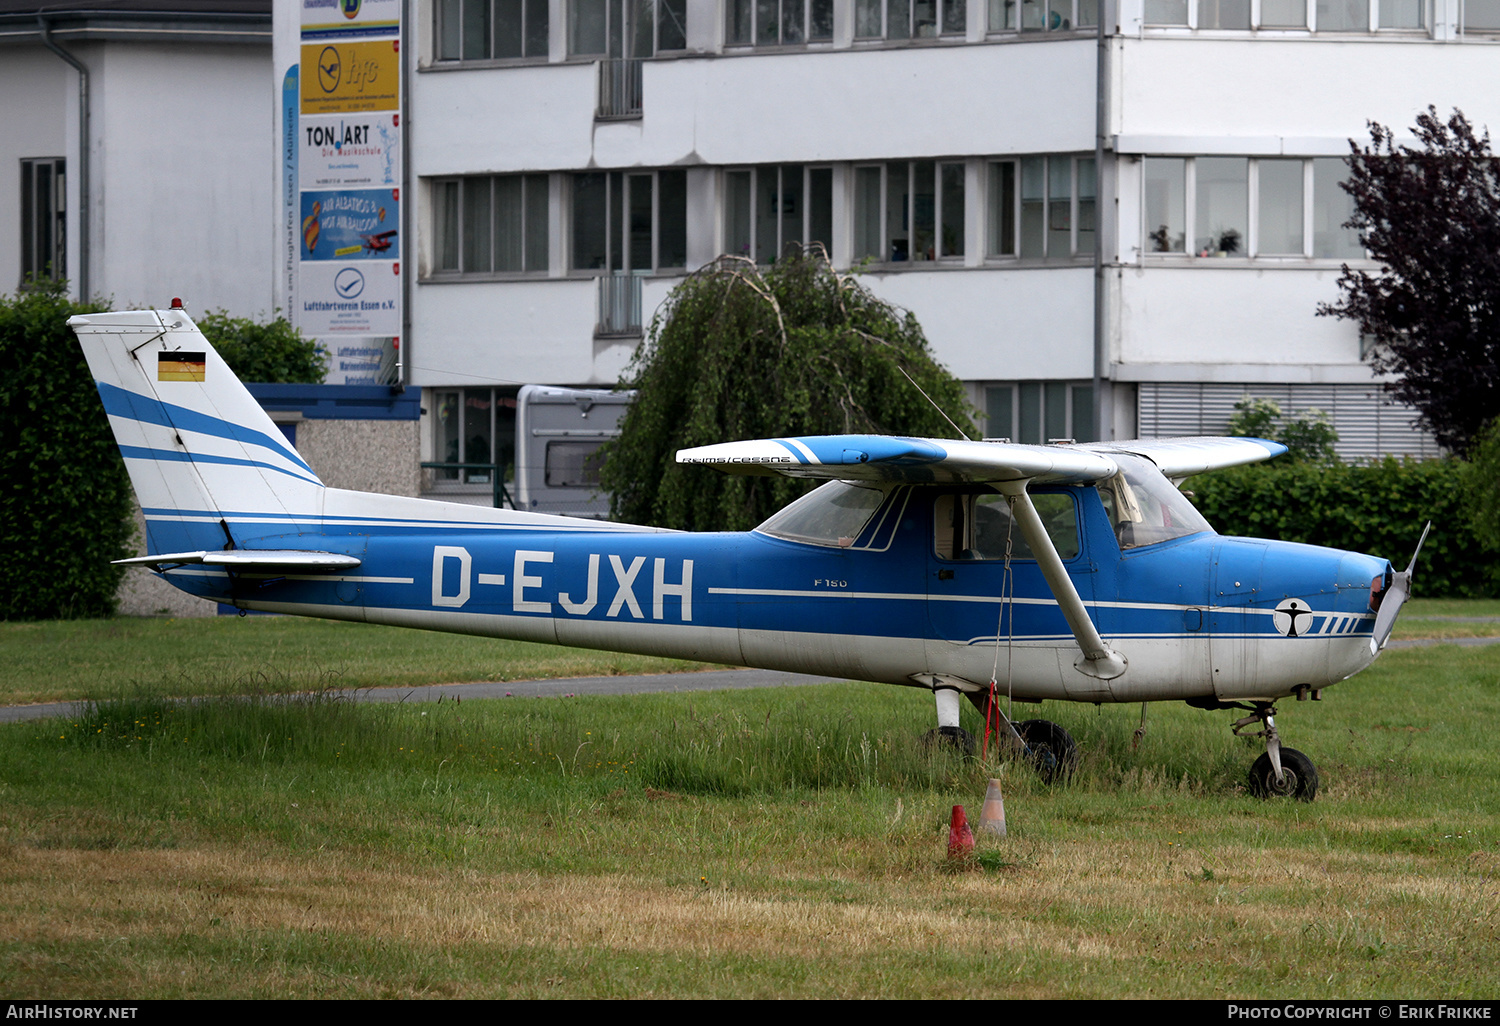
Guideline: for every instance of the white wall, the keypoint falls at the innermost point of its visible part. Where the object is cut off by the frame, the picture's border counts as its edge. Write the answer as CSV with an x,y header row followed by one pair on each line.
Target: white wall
x,y
1309,88
982,324
37,119
762,108
502,333
1235,318
1001,324
183,138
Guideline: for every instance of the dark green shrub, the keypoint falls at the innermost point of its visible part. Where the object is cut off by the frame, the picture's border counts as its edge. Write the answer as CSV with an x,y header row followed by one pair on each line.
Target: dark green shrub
x,y
65,502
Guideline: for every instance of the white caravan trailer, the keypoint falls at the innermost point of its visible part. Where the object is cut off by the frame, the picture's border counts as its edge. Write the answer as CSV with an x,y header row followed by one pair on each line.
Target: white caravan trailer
x,y
559,434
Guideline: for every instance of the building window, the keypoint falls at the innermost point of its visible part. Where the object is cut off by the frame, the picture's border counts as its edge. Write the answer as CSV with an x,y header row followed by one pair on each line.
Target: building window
x,y
1041,208
909,211
474,30
1034,412
626,28
43,219
1326,15
491,224
909,19
1046,15
475,426
778,22
1290,194
767,209
1481,15
630,221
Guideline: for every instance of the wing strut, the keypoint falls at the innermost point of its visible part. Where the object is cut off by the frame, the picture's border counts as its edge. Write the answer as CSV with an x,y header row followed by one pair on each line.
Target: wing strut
x,y
1099,660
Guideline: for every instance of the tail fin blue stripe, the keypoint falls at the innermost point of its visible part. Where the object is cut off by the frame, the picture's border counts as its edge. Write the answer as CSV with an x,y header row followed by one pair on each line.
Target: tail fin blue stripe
x,y
122,402
136,452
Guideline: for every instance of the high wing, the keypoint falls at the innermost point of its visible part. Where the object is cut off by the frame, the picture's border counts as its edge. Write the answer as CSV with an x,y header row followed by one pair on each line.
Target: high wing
x,y
1010,467
1178,458
950,461
908,460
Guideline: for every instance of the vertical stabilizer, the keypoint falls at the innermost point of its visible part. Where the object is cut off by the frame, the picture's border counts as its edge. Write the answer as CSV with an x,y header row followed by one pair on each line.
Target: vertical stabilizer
x,y
209,468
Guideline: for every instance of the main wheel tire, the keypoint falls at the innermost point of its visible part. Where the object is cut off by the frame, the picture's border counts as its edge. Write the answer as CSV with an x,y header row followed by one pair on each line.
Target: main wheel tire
x,y
1299,777
956,738
1049,749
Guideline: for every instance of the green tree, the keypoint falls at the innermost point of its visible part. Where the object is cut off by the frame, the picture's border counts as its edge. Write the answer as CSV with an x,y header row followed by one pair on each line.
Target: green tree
x,y
65,502
735,353
269,351
1430,215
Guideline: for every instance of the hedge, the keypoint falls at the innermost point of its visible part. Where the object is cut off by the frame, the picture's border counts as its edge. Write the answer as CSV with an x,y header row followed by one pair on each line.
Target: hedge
x,y
1378,508
65,502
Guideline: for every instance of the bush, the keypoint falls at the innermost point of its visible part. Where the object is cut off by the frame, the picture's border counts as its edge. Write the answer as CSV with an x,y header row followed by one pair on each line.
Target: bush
x,y
65,502
1379,508
274,351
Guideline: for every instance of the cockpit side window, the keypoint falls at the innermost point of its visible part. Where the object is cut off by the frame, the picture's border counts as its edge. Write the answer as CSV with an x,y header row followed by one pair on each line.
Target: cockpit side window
x,y
1143,506
978,525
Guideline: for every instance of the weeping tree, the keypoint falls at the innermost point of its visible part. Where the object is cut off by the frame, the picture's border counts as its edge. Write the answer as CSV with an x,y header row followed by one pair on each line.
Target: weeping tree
x,y
736,352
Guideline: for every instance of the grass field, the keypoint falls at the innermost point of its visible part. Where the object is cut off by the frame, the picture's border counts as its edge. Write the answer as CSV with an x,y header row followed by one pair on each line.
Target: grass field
x,y
72,659
786,842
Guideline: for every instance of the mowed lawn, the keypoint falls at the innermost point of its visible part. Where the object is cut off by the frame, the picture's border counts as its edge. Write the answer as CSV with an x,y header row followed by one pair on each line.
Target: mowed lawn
x,y
785,842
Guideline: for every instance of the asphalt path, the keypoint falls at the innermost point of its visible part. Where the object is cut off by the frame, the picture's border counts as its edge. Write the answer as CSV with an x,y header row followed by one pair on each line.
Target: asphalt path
x,y
571,687
568,687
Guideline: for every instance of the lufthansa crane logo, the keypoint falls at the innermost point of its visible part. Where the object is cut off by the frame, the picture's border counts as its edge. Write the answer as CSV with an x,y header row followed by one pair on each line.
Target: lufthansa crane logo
x,y
1293,617
329,69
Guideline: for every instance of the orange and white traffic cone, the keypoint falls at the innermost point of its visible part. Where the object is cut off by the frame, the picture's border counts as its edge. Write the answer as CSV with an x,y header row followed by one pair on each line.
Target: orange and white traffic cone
x,y
960,837
992,816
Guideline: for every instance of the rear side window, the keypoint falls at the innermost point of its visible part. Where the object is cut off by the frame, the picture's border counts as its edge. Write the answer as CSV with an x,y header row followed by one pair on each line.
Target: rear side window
x,y
978,525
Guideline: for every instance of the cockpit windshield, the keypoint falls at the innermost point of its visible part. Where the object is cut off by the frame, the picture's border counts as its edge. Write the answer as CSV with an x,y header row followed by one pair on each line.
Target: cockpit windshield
x,y
834,514
1144,507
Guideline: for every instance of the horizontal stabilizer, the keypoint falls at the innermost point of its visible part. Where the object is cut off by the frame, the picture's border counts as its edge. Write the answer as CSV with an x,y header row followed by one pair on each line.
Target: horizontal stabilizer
x,y
249,559
909,460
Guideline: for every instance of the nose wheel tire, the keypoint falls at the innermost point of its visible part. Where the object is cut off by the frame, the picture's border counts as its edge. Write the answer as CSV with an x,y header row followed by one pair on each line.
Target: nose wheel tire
x,y
1299,777
1050,749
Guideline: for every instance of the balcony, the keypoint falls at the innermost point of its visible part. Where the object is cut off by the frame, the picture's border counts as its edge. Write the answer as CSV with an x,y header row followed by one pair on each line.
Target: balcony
x,y
619,89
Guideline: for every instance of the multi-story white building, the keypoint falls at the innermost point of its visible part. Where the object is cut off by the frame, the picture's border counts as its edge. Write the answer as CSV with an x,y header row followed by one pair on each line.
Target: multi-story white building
x,y
1104,234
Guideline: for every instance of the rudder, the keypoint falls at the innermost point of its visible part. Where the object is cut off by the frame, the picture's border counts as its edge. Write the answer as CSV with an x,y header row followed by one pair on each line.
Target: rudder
x,y
203,456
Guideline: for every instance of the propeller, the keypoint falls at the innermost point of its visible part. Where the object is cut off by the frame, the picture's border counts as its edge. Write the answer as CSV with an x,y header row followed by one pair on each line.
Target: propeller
x,y
1396,595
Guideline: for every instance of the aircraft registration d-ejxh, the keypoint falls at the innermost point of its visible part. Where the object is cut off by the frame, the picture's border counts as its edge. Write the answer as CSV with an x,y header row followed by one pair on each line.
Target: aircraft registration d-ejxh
x,y
1070,572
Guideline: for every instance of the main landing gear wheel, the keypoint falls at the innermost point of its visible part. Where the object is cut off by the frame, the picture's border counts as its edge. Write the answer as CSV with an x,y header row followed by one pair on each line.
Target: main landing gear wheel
x,y
956,738
1299,777
1049,749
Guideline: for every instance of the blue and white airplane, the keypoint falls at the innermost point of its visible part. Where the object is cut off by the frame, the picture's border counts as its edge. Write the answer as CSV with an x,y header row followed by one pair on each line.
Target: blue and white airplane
x,y
980,570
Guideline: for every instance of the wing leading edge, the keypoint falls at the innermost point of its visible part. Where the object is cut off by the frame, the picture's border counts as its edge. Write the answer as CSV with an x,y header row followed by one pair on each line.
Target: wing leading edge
x,y
949,461
909,460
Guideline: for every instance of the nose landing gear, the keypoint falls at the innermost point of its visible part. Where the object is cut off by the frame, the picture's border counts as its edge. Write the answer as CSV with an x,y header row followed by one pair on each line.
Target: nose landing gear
x,y
1280,772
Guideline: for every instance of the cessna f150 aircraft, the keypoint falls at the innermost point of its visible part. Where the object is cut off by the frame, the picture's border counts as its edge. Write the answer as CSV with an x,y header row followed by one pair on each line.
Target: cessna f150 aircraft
x,y
979,570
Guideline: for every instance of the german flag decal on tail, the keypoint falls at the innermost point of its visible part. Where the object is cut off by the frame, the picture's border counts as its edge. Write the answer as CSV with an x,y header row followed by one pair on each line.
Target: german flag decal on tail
x,y
179,366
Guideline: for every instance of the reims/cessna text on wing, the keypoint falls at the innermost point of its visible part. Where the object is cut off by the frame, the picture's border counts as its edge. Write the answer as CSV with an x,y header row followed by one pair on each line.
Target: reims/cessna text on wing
x,y
1070,572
